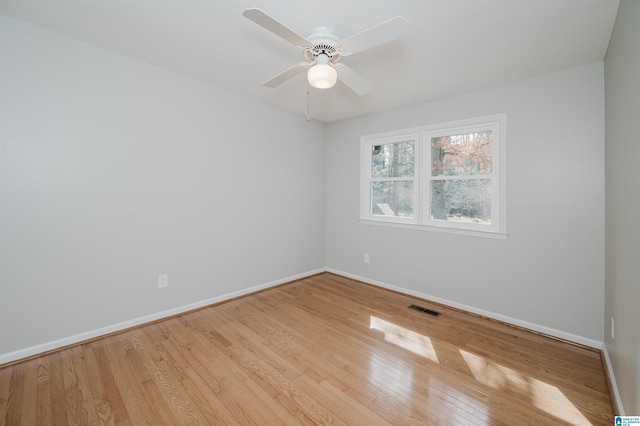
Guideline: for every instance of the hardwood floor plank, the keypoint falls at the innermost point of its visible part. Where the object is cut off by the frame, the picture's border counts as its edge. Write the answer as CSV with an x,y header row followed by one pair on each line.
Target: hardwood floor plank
x,y
100,400
321,350
116,405
80,400
43,399
58,396
16,395
121,399
29,415
5,389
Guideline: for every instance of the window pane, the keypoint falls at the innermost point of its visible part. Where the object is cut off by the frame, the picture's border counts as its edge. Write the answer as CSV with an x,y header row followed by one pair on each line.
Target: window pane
x,y
392,198
393,160
461,200
462,155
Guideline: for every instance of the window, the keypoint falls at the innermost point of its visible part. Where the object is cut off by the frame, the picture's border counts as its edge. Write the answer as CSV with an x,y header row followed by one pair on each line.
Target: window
x,y
447,177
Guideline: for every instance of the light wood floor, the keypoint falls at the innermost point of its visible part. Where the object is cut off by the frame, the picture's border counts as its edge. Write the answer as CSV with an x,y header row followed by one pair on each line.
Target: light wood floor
x,y
323,350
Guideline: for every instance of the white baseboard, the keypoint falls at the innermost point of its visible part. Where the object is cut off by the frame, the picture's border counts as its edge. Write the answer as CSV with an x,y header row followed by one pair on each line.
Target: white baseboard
x,y
613,383
514,321
92,334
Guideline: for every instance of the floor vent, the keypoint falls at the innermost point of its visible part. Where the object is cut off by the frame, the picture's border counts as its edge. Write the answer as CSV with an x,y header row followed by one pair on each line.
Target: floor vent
x,y
425,310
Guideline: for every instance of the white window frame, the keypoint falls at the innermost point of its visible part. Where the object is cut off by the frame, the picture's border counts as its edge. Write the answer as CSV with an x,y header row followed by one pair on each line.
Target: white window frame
x,y
422,177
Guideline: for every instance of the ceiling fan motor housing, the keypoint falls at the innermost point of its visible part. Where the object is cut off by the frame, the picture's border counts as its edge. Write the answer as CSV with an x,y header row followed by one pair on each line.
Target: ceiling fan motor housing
x,y
323,42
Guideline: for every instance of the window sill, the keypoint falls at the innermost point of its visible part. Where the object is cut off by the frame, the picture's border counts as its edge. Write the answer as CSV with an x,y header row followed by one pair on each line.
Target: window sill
x,y
473,233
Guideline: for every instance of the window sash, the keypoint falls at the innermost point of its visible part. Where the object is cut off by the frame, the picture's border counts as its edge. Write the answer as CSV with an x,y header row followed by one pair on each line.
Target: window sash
x,y
367,198
426,169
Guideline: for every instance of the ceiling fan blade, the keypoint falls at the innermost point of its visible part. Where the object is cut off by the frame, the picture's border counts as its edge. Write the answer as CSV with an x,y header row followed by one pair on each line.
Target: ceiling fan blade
x,y
353,80
382,33
269,23
287,74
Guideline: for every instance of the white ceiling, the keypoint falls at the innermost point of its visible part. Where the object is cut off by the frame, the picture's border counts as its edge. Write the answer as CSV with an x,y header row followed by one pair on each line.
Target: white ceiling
x,y
452,45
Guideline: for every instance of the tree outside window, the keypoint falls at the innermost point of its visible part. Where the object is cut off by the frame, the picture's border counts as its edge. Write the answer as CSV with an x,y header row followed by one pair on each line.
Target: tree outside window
x,y
392,185
461,173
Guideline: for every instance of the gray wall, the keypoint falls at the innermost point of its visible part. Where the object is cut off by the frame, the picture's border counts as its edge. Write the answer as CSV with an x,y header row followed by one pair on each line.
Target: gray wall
x,y
114,171
622,283
549,272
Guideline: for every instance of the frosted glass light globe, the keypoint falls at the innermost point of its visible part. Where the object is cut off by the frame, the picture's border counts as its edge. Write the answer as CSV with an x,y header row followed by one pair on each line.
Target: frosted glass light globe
x,y
322,75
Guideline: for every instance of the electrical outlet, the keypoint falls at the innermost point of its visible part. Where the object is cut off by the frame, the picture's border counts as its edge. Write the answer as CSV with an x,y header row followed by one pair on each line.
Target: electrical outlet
x,y
163,281
613,328
366,258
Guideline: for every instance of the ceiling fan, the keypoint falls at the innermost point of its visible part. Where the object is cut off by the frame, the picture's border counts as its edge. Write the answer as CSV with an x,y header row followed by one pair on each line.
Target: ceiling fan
x,y
323,51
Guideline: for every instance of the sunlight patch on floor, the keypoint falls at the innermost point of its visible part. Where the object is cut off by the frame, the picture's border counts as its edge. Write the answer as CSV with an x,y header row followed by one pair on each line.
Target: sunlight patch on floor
x,y
407,339
544,396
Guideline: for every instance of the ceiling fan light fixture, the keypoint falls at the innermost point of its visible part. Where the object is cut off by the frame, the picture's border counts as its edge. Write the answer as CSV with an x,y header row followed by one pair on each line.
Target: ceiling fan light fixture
x,y
322,75
323,49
